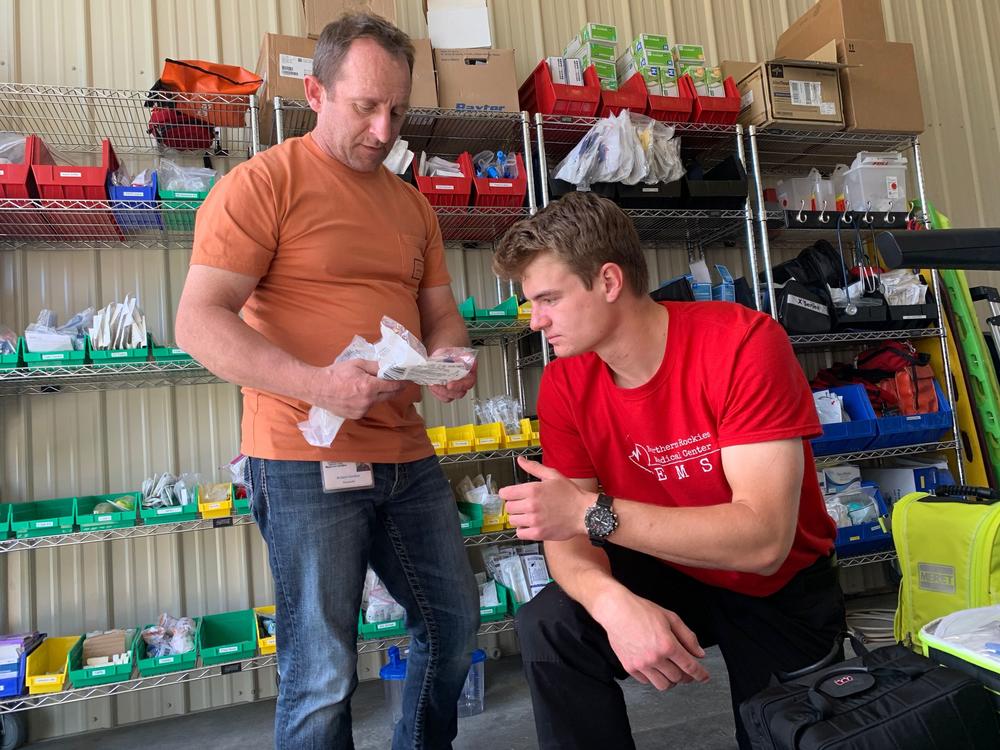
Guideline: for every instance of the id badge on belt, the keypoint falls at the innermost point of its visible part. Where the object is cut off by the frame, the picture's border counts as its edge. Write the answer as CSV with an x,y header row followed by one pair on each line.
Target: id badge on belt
x,y
342,476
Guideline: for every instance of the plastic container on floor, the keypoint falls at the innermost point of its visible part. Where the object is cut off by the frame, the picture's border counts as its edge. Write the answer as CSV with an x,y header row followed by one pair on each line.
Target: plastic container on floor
x,y
471,700
83,676
538,93
12,681
266,644
230,636
43,517
150,666
47,669
393,676
89,520
915,428
848,437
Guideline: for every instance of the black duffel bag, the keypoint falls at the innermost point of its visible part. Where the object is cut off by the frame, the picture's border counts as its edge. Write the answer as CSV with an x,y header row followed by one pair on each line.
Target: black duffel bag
x,y
886,698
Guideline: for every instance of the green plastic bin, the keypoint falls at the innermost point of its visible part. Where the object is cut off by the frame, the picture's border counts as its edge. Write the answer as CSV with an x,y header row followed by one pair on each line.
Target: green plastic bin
x,y
43,517
171,514
117,356
493,614
170,354
5,509
176,215
81,676
506,310
40,360
231,636
10,361
377,630
467,309
88,520
241,506
151,666
474,525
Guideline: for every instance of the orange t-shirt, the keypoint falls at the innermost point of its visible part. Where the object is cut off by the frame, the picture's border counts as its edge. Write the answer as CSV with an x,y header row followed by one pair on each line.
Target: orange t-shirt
x,y
335,250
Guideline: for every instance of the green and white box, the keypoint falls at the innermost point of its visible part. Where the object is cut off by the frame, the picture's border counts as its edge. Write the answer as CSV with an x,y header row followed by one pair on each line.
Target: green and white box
x,y
690,54
603,68
651,60
698,76
713,81
596,50
599,32
645,42
609,84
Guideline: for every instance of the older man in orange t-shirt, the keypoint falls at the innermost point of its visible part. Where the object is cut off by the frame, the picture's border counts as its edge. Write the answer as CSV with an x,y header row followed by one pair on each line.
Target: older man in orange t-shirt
x,y
314,241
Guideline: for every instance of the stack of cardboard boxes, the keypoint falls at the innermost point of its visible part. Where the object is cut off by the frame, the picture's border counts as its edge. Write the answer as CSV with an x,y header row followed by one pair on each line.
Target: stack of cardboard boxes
x,y
463,78
649,56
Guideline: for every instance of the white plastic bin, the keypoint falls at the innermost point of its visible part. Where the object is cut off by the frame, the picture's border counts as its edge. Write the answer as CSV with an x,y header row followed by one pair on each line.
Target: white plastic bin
x,y
876,181
470,702
810,193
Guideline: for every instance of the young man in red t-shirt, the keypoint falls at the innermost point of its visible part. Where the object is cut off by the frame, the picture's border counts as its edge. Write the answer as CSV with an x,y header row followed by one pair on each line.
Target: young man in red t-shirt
x,y
678,500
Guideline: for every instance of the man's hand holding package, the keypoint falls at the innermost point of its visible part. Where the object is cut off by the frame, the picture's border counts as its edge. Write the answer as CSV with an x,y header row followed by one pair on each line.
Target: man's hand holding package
x,y
456,389
350,388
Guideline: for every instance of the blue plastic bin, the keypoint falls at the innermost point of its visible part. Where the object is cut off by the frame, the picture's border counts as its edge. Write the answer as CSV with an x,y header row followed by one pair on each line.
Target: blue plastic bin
x,y
135,208
13,686
915,429
865,538
848,437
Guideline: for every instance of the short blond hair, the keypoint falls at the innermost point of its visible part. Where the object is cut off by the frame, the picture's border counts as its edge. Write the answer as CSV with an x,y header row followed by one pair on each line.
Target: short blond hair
x,y
584,231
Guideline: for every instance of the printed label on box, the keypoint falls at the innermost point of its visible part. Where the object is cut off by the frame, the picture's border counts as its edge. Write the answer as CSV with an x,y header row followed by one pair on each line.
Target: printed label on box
x,y
291,66
827,108
747,99
892,188
127,193
71,174
98,673
444,187
806,93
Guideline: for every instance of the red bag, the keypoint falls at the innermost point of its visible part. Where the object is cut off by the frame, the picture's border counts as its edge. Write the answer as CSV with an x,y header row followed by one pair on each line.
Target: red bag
x,y
211,79
891,357
173,129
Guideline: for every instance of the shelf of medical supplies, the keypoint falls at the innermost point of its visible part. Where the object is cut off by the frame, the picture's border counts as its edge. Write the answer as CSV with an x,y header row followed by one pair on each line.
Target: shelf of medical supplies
x,y
75,119
876,557
131,532
437,131
24,381
797,151
711,142
475,223
465,458
851,338
902,450
96,223
487,332
27,702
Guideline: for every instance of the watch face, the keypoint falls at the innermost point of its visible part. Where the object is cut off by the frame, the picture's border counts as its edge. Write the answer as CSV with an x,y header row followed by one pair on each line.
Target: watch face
x,y
600,521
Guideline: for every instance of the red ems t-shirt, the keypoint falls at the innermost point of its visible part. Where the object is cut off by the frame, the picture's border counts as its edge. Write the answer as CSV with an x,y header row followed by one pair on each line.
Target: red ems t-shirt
x,y
728,377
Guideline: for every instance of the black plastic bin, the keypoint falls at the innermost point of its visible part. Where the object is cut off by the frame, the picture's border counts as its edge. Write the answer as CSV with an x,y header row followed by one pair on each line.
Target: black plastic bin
x,y
658,195
559,188
723,187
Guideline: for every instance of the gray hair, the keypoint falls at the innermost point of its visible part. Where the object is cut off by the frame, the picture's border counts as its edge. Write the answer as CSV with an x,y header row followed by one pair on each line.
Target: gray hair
x,y
337,37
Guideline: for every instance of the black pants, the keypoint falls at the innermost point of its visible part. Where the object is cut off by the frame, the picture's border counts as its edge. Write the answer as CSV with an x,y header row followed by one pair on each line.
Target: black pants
x,y
572,671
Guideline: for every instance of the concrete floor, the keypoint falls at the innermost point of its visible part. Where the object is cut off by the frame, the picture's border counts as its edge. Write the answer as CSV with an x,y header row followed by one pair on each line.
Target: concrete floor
x,y
694,716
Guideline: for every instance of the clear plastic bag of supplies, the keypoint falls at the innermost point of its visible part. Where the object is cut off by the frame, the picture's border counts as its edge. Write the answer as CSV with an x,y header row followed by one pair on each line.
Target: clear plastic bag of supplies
x,y
378,603
170,636
12,148
400,356
46,335
853,507
504,408
172,176
8,340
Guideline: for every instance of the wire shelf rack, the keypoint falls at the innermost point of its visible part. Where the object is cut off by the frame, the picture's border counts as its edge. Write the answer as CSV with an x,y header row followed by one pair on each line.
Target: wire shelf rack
x,y
876,557
83,378
491,332
477,224
464,458
797,151
828,340
903,450
656,226
76,119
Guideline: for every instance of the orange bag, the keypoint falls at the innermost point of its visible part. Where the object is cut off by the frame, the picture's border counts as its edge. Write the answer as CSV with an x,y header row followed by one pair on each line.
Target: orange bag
x,y
915,386
202,77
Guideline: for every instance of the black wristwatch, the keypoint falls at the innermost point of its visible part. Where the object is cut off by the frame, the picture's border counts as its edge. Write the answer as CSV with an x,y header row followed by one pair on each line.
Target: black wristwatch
x,y
600,520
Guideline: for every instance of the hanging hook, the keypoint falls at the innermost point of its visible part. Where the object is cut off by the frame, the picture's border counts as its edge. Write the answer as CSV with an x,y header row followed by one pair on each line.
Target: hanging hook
x,y
802,207
909,214
888,215
867,218
847,209
823,218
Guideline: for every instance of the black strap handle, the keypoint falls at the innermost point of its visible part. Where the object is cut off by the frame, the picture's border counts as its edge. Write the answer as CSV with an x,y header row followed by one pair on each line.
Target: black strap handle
x,y
987,293
962,493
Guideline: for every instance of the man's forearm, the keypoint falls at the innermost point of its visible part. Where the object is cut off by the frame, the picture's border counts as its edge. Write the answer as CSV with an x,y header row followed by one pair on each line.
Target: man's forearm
x,y
582,570
235,352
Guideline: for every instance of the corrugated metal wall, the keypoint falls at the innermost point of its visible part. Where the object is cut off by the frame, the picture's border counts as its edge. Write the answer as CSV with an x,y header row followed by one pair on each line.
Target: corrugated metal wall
x,y
55,445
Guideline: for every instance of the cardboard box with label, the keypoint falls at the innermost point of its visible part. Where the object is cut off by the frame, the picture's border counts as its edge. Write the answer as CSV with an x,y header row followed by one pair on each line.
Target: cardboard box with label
x,y
319,13
283,63
788,94
879,84
599,32
423,92
828,20
476,79
458,24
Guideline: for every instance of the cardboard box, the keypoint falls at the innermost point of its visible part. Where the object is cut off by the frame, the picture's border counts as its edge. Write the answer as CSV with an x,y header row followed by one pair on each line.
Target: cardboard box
x,y
714,81
596,50
599,32
692,54
790,94
283,64
479,79
603,68
657,58
841,478
423,92
911,476
566,70
458,24
320,12
828,20
645,42
879,85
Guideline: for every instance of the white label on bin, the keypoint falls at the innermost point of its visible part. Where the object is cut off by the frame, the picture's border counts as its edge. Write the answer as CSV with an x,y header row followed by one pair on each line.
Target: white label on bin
x,y
914,418
228,649
827,108
187,195
46,680
177,351
892,188
44,524
651,190
166,660
501,184
1,173
444,187
460,443
806,93
132,194
98,673
51,356
71,174
497,313
808,304
292,66
384,625
168,511
103,519
118,355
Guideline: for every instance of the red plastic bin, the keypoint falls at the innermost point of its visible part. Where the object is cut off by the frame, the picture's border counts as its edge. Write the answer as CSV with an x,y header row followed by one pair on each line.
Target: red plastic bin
x,y
498,192
631,95
718,110
671,108
18,188
539,94
448,191
67,184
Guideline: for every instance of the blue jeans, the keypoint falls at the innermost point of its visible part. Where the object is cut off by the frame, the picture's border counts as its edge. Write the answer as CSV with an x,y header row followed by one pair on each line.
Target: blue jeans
x,y
319,545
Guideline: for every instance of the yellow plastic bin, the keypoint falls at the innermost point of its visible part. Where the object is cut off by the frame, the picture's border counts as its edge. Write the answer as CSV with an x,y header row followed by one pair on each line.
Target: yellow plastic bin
x,y
439,439
535,437
461,439
519,439
214,508
266,644
47,666
489,437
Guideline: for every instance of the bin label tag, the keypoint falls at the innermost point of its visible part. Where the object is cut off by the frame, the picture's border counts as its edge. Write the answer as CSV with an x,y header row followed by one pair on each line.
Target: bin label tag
x,y
339,476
